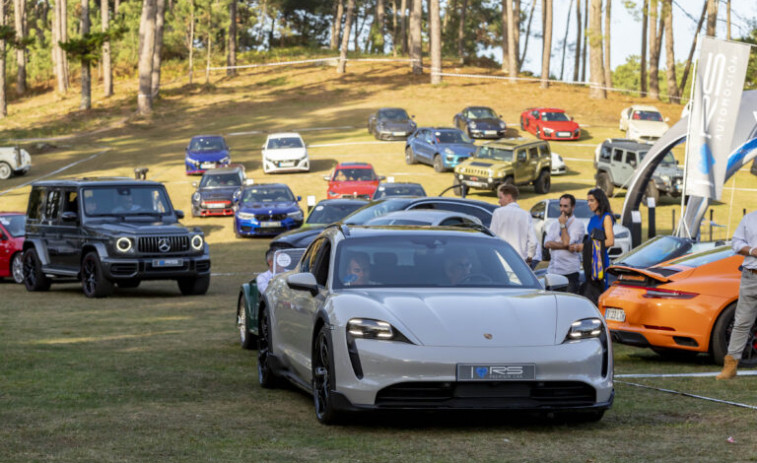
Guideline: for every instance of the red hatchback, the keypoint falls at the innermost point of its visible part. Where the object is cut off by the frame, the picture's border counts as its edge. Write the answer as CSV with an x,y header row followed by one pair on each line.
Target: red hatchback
x,y
11,245
352,180
549,124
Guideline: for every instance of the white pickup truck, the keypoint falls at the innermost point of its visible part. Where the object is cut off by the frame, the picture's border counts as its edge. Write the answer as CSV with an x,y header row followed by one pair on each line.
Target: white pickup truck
x,y
14,160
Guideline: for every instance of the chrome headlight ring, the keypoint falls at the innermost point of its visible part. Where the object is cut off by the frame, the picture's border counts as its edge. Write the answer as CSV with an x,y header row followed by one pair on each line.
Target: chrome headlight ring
x,y
197,242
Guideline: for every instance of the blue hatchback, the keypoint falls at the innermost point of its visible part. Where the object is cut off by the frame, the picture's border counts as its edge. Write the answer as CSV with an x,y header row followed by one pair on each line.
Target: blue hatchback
x,y
266,209
206,152
443,148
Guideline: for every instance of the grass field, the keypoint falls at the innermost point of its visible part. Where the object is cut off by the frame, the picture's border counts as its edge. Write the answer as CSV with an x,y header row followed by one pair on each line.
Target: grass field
x,y
149,375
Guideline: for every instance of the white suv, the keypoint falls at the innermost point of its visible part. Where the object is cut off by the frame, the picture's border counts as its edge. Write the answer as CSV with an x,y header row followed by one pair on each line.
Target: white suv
x,y
285,152
14,160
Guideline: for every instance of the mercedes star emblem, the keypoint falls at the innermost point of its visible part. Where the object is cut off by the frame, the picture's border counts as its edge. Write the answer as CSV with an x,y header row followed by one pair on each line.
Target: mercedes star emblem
x,y
164,245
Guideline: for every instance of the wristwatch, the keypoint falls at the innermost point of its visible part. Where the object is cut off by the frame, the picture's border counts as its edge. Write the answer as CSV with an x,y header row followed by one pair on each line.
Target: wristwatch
x,y
562,225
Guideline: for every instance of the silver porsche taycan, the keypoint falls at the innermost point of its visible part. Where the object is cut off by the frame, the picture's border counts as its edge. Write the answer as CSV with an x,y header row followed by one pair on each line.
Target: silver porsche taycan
x,y
415,318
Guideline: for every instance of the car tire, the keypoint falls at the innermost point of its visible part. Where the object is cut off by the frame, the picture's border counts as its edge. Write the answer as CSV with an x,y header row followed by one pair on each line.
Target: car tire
x,y
545,253
439,163
17,267
266,376
323,378
721,335
248,340
409,156
604,183
460,189
194,286
5,171
543,183
129,284
538,132
93,281
34,278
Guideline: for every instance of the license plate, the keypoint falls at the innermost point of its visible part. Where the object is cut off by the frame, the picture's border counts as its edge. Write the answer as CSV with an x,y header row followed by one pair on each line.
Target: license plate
x,y
167,262
616,315
476,184
398,134
286,164
564,134
215,205
270,224
496,372
208,165
491,132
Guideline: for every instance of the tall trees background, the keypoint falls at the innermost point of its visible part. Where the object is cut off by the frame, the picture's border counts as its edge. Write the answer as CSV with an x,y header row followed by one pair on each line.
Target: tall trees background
x,y
52,43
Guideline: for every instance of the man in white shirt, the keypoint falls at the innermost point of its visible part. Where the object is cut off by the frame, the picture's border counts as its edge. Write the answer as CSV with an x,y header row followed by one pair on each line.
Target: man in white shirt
x,y
560,235
263,278
513,224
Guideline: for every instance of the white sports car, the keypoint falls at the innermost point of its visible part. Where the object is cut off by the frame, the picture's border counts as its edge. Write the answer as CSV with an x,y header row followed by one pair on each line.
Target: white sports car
x,y
420,318
643,123
285,152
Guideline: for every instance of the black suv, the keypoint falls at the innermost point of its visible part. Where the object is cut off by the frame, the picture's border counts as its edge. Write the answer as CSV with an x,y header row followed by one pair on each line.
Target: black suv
x,y
110,231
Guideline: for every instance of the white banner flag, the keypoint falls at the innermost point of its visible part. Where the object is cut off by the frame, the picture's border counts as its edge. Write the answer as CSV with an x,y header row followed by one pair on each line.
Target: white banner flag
x,y
714,109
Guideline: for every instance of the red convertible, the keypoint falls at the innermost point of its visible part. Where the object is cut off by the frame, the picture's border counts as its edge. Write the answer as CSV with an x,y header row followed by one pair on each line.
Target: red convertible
x,y
549,124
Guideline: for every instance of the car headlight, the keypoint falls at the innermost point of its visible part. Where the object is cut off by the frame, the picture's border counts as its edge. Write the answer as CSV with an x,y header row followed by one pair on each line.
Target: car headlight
x,y
295,215
548,131
245,216
472,124
192,161
367,328
225,160
196,197
124,244
623,234
665,178
584,329
502,125
197,242
448,151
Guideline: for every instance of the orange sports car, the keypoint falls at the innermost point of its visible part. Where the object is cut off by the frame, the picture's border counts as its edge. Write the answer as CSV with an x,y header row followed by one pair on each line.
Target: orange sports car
x,y
680,307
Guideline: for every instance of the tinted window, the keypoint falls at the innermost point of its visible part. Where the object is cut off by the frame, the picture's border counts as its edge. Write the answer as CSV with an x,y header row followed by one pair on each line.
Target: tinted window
x,y
285,143
656,250
393,114
348,174
551,116
481,113
207,144
375,209
398,190
452,136
14,224
52,205
498,154
533,153
125,200
330,213
617,155
36,200
647,116
703,258
278,194
482,214
221,180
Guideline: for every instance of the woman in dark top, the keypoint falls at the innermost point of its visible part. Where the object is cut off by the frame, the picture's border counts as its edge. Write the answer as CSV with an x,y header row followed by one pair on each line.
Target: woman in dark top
x,y
600,237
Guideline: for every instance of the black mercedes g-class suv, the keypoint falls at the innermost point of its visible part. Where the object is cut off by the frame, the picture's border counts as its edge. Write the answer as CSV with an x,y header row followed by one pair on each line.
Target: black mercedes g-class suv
x,y
108,231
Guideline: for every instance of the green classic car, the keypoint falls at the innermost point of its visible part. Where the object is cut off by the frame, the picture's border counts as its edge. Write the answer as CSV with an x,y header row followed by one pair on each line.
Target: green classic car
x,y
249,297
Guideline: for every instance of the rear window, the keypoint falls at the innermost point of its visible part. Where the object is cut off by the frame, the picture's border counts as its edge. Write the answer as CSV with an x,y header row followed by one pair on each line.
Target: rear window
x,y
14,224
704,258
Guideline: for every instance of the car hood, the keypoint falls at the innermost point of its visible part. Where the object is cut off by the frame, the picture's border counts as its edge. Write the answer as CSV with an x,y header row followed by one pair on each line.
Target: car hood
x,y
268,208
356,187
487,123
459,148
566,126
463,317
655,128
117,228
218,193
207,155
395,125
287,153
671,171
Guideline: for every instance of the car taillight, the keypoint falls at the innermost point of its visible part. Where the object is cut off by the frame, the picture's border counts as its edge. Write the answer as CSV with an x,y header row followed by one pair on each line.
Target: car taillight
x,y
659,293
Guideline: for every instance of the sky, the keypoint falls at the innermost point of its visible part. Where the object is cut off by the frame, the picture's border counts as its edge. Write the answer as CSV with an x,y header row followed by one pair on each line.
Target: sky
x,y
626,31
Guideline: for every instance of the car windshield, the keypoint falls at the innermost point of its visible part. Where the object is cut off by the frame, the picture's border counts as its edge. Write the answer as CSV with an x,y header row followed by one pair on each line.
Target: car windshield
x,y
581,210
452,136
658,249
266,195
703,258
354,175
215,180
327,212
430,260
398,190
647,116
481,113
668,160
497,154
393,114
554,117
14,224
376,209
207,144
284,143
125,200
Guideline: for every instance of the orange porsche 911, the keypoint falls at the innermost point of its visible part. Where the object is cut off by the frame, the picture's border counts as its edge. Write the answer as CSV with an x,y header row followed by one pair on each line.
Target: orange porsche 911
x,y
680,307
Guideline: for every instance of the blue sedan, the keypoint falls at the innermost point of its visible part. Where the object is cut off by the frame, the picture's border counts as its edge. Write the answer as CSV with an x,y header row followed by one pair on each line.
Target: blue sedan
x,y
443,148
206,152
266,210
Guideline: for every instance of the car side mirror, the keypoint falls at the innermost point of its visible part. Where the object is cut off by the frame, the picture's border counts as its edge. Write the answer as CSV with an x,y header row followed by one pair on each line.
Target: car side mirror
x,y
554,282
305,282
327,177
194,184
69,216
179,214
538,215
667,119
299,198
3,237
263,146
249,181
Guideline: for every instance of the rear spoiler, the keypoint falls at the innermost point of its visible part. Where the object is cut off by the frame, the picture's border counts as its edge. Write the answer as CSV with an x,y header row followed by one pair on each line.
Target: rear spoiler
x,y
635,275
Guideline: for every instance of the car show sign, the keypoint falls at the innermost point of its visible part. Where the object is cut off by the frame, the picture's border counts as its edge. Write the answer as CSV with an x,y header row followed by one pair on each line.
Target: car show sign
x,y
714,110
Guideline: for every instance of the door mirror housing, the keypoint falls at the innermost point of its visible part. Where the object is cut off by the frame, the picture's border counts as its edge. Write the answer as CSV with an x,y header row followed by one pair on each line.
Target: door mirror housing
x,y
69,216
304,282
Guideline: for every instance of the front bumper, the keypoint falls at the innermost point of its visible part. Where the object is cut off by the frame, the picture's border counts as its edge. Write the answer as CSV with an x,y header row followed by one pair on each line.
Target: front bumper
x,y
478,182
562,135
287,165
212,209
393,134
265,227
559,170
156,268
396,375
487,133
197,167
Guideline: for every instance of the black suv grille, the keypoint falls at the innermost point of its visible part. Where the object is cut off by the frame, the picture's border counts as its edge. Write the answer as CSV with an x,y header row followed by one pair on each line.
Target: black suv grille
x,y
163,244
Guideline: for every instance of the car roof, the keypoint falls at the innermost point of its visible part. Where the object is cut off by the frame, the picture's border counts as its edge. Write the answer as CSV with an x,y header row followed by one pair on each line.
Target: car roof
x,y
478,107
627,144
400,184
428,214
551,110
342,201
514,142
448,129
361,231
267,185
207,136
12,213
644,107
284,135
356,165
95,181
387,108
223,170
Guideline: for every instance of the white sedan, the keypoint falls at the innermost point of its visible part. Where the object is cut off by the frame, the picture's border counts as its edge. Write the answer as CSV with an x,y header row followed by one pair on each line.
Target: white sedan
x,y
418,318
285,152
643,123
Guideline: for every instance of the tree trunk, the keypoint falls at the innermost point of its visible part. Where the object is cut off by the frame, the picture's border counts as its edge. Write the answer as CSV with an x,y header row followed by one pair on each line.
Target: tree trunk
x,y
546,55
655,44
190,44
528,32
3,97
395,29
461,32
378,44
358,27
565,39
728,19
673,94
59,34
209,50
19,14
115,7
336,24
146,47
106,61
687,68
342,66
512,58
505,36
86,71
435,31
606,40
584,47
643,64
403,26
231,52
160,14
712,17
597,89
577,60
415,37
516,37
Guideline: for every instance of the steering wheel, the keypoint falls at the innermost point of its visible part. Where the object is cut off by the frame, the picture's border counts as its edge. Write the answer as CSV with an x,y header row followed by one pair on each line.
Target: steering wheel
x,y
477,278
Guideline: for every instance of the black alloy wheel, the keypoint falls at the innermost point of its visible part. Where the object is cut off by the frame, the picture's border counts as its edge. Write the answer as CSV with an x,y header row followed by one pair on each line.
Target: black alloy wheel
x,y
93,282
323,378
246,339
34,278
266,377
